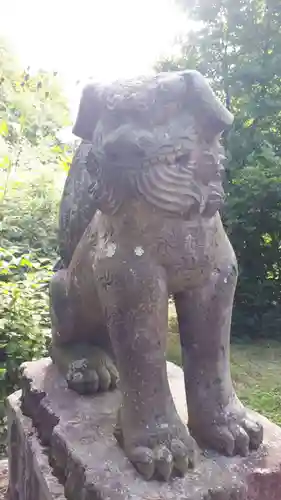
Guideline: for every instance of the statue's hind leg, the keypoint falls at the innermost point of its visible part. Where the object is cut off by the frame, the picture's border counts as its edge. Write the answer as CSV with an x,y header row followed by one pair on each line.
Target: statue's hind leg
x,y
217,419
85,362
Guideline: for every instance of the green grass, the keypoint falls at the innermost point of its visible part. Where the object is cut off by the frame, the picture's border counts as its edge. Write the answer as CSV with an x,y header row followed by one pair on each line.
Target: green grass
x,y
256,372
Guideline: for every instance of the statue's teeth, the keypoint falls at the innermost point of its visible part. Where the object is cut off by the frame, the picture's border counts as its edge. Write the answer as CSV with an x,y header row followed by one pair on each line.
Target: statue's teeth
x,y
168,158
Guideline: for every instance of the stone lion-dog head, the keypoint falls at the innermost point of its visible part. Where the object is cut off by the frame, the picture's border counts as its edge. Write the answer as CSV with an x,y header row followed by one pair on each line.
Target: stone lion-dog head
x,y
157,139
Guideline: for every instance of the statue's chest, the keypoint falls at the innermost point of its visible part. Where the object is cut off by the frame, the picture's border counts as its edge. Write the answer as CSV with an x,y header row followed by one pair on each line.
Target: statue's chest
x,y
187,252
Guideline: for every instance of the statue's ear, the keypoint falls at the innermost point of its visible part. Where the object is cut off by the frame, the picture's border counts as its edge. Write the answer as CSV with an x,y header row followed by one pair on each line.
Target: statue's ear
x,y
88,113
208,110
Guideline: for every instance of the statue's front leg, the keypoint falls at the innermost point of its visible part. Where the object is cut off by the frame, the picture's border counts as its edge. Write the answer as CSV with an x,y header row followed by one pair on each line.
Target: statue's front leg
x,y
134,296
217,419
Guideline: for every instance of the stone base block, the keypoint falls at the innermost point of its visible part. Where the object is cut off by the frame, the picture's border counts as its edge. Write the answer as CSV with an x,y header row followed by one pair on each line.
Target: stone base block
x,y
61,447
30,475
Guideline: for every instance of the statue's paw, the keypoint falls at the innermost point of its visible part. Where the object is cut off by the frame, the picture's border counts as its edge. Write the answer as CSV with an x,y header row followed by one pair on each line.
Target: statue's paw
x,y
234,433
160,452
86,377
87,369
165,459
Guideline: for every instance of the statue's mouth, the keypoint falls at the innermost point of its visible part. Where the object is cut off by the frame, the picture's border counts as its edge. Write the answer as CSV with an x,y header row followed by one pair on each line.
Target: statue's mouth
x,y
183,182
169,155
207,166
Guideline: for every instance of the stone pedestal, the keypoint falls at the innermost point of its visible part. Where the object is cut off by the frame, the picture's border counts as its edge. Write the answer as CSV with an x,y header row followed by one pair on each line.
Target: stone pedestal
x,y
61,447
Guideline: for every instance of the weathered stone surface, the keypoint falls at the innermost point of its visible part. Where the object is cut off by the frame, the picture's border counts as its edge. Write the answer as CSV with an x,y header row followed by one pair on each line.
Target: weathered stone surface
x,y
3,479
145,189
30,475
78,434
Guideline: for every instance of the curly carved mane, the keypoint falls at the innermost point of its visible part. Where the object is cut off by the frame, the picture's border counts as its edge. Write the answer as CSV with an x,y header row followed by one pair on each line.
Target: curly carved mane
x,y
155,138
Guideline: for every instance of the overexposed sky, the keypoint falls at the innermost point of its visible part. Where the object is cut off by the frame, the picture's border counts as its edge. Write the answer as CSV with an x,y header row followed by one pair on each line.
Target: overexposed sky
x,y
102,39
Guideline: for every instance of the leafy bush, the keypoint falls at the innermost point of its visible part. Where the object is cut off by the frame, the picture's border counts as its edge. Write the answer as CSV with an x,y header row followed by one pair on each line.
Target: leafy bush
x,y
253,221
32,172
27,255
24,315
29,209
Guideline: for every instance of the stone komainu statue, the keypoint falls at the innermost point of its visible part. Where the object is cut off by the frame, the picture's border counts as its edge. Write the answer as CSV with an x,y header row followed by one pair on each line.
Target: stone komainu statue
x,y
139,221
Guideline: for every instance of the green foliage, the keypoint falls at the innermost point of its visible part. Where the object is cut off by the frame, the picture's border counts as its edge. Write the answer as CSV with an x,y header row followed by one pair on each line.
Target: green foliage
x,y
237,45
32,171
24,317
31,105
27,254
29,209
253,218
